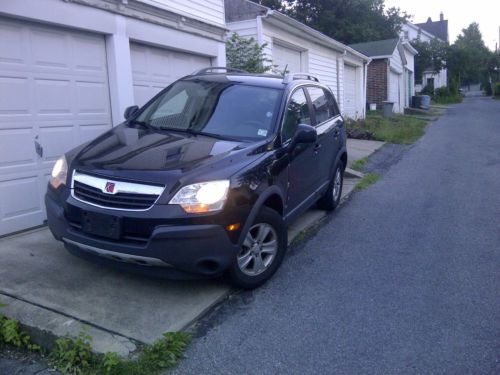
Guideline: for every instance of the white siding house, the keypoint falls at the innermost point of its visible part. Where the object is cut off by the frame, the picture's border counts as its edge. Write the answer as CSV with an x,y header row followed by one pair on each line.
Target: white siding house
x,y
411,32
68,70
300,48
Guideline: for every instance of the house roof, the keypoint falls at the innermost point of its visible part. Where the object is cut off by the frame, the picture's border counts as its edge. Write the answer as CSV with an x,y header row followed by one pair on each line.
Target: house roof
x,y
240,10
377,48
436,28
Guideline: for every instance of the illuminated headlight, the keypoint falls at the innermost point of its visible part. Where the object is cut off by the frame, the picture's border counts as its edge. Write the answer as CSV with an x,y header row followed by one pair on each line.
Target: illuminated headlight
x,y
59,173
202,197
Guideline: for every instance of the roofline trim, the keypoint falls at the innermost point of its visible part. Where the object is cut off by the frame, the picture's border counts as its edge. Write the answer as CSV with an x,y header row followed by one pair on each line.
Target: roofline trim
x,y
326,40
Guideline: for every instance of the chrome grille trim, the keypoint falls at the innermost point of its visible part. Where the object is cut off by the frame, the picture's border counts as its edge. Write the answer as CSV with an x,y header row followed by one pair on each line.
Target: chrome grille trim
x,y
122,187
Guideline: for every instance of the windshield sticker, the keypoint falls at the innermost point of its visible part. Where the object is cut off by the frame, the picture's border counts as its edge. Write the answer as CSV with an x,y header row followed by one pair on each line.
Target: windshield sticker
x,y
269,114
262,132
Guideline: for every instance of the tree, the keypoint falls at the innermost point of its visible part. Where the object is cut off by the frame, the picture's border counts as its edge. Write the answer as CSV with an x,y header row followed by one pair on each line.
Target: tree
x,y
246,54
348,21
431,56
273,4
468,57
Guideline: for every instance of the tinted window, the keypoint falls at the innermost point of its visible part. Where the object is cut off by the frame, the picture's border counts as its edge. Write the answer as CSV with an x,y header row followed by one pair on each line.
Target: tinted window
x,y
323,103
297,112
222,108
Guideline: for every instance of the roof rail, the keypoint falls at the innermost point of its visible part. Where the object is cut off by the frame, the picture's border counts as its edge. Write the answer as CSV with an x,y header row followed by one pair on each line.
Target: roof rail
x,y
292,76
216,68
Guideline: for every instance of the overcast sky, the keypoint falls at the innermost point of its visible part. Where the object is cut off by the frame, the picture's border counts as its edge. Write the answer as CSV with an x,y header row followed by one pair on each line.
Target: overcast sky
x,y
459,13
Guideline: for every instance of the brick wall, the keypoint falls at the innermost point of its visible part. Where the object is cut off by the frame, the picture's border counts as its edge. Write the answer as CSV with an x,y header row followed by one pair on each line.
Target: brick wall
x,y
377,82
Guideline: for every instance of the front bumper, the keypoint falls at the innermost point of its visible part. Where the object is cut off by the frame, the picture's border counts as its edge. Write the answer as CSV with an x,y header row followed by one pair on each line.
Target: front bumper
x,y
173,251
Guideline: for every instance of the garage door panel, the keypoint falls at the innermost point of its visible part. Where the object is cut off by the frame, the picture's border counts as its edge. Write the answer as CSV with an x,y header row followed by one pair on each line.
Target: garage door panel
x,y
13,94
91,97
89,54
154,68
22,154
11,36
53,89
350,94
53,96
287,57
50,48
23,197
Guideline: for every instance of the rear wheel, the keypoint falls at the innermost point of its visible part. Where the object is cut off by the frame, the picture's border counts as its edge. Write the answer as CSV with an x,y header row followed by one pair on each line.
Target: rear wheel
x,y
262,250
331,199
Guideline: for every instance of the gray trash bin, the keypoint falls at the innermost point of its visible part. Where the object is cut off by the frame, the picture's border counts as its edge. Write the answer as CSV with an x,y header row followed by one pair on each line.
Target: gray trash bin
x,y
388,108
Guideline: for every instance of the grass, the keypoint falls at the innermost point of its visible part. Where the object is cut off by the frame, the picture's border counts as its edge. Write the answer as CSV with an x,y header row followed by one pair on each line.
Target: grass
x,y
401,129
359,164
75,356
367,180
452,99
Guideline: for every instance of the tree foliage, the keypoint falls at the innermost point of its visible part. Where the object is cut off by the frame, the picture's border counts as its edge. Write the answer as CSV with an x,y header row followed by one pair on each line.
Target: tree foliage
x,y
348,21
431,57
246,54
468,58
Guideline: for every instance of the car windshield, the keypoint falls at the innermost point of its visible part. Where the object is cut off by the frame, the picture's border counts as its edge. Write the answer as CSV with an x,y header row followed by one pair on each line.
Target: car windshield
x,y
220,109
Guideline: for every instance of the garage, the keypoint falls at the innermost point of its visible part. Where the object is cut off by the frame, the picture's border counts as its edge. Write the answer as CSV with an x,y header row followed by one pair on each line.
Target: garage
x,y
350,85
394,92
54,90
153,69
287,57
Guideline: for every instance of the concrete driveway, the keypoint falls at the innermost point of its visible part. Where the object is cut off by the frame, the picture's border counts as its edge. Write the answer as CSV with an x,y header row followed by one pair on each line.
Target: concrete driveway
x,y
53,293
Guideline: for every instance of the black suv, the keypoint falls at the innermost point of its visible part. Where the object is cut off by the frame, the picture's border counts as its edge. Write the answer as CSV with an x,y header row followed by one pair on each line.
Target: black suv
x,y
204,178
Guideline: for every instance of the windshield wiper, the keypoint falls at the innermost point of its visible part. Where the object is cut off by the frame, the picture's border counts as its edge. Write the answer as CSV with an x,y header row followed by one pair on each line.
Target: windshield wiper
x,y
212,135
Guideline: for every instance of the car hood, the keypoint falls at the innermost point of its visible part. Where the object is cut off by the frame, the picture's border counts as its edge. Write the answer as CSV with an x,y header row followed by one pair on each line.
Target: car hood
x,y
138,153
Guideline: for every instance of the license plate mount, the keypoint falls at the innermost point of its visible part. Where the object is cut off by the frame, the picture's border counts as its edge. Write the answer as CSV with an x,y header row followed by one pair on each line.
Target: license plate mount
x,y
101,225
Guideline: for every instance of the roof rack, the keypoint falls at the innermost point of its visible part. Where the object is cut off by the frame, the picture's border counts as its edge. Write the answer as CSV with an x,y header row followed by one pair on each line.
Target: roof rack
x,y
217,68
293,76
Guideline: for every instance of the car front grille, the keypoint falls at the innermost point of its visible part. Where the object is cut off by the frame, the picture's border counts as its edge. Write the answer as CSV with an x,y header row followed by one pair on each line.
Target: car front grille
x,y
125,195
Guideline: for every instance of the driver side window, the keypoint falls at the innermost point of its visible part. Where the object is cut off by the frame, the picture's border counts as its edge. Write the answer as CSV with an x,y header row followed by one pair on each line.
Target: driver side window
x,y
297,112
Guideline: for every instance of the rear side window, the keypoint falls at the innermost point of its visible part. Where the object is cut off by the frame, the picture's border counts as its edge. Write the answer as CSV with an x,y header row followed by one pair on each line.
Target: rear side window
x,y
323,103
297,112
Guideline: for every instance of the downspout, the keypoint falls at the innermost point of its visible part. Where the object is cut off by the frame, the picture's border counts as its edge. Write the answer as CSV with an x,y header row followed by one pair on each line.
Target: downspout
x,y
365,83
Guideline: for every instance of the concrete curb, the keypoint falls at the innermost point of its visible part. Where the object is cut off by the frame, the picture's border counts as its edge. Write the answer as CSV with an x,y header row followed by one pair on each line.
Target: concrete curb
x,y
351,173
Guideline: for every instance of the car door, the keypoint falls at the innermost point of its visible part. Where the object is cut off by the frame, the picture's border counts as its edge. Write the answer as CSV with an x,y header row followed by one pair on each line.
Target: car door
x,y
303,161
328,124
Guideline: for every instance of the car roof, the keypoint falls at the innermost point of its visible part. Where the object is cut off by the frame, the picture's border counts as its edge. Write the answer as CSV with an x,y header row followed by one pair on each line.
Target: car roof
x,y
262,80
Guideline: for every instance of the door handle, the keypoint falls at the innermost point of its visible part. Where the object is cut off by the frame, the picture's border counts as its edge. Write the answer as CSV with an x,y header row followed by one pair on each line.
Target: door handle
x,y
317,146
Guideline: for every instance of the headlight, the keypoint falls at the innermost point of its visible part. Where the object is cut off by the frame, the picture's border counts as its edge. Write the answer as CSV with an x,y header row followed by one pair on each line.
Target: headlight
x,y
59,173
202,197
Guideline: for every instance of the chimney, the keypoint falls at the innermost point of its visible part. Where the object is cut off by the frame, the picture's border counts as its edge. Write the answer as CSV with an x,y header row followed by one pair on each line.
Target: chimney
x,y
429,20
441,16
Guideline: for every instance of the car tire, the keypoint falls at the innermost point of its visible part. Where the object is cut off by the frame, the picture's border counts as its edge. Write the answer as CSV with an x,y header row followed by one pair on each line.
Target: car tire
x,y
260,257
331,198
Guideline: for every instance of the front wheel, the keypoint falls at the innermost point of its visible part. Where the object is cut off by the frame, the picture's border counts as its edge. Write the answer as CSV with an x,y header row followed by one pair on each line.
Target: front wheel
x,y
331,199
262,250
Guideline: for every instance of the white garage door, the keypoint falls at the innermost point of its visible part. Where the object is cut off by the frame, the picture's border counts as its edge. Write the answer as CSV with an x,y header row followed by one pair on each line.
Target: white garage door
x,y
153,69
394,95
350,85
286,57
54,94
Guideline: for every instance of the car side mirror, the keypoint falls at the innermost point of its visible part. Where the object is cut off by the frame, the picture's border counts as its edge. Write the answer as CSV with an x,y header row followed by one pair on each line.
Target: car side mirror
x,y
305,134
130,111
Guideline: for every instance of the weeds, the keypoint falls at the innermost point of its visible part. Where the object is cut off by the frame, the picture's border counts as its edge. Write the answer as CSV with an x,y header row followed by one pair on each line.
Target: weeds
x,y
402,129
359,164
367,180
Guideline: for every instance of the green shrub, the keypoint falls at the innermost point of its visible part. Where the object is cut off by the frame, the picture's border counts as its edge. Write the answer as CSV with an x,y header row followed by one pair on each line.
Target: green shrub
x,y
73,357
496,87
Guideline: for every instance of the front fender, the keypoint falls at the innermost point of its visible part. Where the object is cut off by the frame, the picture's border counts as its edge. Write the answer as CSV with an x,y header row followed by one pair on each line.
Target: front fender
x,y
270,191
